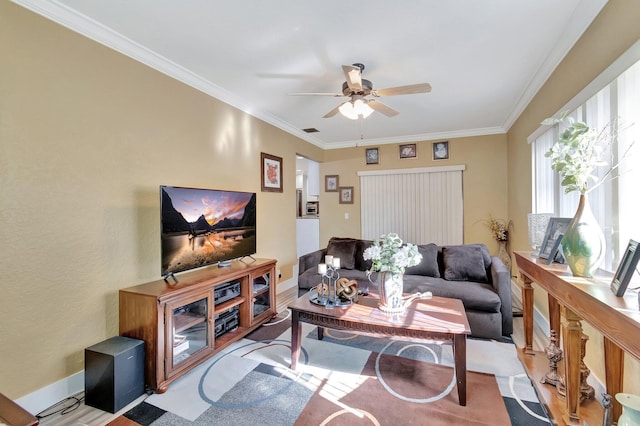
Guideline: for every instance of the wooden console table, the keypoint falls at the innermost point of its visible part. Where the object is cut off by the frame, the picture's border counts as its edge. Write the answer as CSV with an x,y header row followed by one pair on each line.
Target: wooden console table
x,y
572,299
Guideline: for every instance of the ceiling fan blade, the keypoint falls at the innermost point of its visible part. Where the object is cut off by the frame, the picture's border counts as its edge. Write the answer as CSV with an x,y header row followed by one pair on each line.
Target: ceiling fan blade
x,y
332,112
382,108
353,75
335,95
403,90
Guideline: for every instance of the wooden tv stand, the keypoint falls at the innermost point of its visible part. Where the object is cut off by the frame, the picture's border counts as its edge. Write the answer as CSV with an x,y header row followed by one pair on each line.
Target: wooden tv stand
x,y
186,323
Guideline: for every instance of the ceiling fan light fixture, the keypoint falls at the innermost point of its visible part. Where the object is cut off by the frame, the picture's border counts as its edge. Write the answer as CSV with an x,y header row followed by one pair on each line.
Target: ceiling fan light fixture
x,y
355,108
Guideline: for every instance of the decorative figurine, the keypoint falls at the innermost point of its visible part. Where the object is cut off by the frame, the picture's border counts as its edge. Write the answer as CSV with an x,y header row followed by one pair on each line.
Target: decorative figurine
x,y
554,354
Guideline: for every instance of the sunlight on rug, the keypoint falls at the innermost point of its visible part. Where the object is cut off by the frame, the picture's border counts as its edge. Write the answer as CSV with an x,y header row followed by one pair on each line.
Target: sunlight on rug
x,y
345,379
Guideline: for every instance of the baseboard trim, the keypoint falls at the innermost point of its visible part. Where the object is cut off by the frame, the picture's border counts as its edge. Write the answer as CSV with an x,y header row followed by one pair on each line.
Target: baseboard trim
x,y
47,396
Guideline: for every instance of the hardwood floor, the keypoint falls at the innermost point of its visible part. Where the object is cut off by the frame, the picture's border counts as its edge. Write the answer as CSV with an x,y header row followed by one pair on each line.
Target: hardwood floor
x,y
89,416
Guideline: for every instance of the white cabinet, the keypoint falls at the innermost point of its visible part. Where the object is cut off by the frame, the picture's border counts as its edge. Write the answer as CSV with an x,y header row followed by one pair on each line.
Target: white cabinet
x,y
313,178
307,235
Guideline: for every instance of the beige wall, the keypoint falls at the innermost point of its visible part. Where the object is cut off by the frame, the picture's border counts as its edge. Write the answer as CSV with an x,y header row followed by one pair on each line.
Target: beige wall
x,y
87,136
613,32
484,183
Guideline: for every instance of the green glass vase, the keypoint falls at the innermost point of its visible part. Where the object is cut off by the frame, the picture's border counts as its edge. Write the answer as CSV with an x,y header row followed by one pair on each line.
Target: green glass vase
x,y
583,244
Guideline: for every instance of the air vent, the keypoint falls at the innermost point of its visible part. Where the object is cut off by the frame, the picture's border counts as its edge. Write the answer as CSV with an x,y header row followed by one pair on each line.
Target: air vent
x,y
310,130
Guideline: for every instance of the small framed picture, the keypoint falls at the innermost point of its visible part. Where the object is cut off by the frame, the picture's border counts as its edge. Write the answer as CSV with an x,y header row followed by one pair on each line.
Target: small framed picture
x,y
441,150
556,254
346,195
555,227
626,269
408,150
372,155
271,168
331,183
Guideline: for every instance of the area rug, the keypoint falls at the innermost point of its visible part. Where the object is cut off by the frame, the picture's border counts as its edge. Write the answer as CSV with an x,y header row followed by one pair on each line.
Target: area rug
x,y
345,379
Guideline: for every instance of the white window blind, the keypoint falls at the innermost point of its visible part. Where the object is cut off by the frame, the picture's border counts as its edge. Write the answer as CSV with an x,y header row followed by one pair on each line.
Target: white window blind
x,y
422,205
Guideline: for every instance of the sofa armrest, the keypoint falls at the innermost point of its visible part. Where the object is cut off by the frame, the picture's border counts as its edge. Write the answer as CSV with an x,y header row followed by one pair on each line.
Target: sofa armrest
x,y
501,281
311,260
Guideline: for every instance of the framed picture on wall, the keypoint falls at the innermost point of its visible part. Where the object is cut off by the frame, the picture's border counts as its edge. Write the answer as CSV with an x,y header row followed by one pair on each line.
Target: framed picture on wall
x,y
555,227
331,183
441,150
371,155
408,150
626,269
271,172
346,195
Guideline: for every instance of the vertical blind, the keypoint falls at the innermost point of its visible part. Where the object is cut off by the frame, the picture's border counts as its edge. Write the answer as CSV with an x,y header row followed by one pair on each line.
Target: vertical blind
x,y
423,205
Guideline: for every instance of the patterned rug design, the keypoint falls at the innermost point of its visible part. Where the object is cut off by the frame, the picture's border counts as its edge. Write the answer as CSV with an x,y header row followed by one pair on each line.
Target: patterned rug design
x,y
345,379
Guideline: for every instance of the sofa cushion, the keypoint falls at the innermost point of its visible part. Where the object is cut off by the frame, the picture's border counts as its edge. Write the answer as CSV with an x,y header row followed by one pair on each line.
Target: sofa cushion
x,y
345,250
464,263
361,246
428,266
474,295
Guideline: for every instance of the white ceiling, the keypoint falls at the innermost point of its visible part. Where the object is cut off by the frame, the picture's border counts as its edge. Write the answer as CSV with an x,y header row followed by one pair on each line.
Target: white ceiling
x,y
484,59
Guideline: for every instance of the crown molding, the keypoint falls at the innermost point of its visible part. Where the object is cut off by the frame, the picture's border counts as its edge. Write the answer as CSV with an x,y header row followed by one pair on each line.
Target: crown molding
x,y
87,27
417,138
583,15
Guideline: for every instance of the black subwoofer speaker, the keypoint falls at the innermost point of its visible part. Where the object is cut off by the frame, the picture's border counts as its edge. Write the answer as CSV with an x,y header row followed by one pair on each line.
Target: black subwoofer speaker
x,y
113,373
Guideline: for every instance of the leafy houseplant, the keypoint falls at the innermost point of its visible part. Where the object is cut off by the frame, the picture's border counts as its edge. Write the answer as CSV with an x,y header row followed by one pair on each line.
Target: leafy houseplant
x,y
389,254
576,156
578,153
390,257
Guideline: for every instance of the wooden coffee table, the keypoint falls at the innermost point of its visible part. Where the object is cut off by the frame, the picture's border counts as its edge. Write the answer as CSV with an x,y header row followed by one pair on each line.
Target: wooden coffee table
x,y
436,319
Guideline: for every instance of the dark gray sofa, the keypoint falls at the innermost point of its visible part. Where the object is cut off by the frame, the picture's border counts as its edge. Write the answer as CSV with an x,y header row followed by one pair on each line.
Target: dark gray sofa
x,y
467,272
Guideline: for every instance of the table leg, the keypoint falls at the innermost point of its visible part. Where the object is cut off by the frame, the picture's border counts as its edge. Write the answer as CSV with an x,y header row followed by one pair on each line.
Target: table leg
x,y
527,314
614,360
460,359
572,346
296,338
320,333
554,314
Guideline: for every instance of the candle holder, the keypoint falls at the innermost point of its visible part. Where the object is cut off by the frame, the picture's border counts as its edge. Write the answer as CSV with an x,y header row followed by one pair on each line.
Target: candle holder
x,y
327,294
332,277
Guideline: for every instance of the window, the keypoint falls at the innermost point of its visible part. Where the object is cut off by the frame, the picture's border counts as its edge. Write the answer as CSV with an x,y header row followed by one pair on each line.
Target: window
x,y
615,203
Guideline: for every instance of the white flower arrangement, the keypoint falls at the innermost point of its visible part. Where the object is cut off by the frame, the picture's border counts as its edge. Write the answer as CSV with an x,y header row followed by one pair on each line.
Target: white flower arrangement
x,y
388,253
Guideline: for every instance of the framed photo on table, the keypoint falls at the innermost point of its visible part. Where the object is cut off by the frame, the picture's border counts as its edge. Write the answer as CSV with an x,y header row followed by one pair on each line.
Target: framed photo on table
x,y
626,269
271,173
556,254
556,227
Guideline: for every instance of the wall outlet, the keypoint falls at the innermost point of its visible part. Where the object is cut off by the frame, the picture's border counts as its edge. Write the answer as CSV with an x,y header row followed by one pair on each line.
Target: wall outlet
x,y
346,216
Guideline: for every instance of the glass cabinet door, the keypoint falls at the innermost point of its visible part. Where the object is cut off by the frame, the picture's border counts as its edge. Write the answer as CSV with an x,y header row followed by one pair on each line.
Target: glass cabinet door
x,y
188,330
261,293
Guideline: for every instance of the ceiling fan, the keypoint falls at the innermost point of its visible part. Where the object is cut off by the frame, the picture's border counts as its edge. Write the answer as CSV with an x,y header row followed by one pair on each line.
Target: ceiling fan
x,y
359,89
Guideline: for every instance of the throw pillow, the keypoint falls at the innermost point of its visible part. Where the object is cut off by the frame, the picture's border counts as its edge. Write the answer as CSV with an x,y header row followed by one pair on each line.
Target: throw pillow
x,y
345,250
361,246
464,263
428,266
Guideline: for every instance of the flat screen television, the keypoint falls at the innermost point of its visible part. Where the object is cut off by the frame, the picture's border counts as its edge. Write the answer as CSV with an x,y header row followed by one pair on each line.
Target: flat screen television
x,y
201,227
